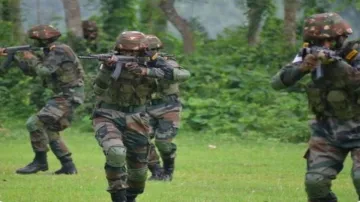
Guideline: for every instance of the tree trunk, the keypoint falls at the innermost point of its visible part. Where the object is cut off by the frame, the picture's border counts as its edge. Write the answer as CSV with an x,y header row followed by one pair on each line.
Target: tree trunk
x,y
167,6
73,17
290,9
255,15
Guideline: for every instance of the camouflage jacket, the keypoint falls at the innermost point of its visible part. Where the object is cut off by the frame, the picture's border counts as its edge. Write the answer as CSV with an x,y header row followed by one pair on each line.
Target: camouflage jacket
x,y
169,87
60,70
130,89
351,53
337,94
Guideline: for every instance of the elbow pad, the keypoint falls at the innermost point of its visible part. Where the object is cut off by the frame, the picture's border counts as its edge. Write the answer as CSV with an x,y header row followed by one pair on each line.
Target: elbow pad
x,y
181,74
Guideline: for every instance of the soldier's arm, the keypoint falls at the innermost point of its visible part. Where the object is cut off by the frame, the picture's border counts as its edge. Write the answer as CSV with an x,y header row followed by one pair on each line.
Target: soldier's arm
x,y
102,80
51,63
287,76
169,70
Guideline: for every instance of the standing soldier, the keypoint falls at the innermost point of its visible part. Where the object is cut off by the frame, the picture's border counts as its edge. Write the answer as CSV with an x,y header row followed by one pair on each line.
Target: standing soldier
x,y
62,72
334,99
120,120
164,109
90,31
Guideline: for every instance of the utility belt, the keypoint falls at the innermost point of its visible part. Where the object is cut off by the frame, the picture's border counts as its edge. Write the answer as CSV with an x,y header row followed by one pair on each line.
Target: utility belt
x,y
164,100
125,109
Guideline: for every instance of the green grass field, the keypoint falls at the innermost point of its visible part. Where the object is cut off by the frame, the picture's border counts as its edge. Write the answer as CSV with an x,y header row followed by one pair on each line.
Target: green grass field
x,y
237,170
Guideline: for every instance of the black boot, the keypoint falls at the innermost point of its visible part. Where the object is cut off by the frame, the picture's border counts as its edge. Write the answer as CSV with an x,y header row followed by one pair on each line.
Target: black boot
x,y
156,172
119,196
131,198
38,164
169,166
331,197
67,166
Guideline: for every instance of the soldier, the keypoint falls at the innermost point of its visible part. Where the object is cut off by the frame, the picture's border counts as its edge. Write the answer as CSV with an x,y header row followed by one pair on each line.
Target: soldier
x,y
120,121
90,31
334,99
164,109
62,72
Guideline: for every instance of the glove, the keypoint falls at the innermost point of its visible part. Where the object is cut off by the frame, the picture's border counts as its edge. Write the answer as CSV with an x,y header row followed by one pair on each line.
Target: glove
x,y
134,68
309,63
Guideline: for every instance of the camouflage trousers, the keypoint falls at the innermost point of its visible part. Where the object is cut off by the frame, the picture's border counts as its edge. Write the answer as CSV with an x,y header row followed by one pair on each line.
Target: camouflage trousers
x,y
124,138
165,120
44,127
330,143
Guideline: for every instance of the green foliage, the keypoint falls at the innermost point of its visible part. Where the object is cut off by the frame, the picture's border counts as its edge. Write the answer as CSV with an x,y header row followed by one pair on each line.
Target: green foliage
x,y
230,92
119,15
152,18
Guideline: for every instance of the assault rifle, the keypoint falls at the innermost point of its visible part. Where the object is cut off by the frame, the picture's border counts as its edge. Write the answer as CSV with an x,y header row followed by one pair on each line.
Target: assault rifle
x,y
329,54
11,51
120,61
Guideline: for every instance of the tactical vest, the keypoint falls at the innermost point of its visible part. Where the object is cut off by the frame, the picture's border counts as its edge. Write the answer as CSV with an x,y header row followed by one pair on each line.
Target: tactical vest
x,y
129,90
335,95
68,78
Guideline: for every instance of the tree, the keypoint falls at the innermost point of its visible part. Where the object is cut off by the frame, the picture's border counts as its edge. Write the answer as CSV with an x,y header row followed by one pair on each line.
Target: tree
x,y
290,9
167,6
10,12
255,15
152,18
118,16
73,17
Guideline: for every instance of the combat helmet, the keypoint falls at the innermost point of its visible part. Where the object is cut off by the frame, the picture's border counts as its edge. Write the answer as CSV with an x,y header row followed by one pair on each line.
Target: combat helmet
x,y
153,42
44,33
131,41
325,26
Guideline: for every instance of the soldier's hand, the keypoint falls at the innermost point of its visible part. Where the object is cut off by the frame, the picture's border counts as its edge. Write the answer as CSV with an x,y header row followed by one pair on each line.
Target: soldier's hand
x,y
134,68
309,63
28,55
2,52
111,61
324,58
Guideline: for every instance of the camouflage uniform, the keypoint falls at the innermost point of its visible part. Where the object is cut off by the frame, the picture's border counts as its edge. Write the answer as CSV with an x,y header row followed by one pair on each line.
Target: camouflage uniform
x,y
334,100
164,109
61,72
120,121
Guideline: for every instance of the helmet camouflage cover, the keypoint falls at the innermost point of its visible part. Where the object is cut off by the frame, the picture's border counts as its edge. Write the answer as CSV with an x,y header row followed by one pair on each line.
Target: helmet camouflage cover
x,y
44,32
153,42
325,25
131,41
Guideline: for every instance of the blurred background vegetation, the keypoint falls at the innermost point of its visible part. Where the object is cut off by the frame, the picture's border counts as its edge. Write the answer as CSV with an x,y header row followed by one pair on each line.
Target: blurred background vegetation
x,y
231,47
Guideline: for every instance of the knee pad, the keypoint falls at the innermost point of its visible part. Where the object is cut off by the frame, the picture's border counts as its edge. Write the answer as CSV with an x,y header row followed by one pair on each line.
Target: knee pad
x,y
33,124
165,147
116,156
137,175
317,185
